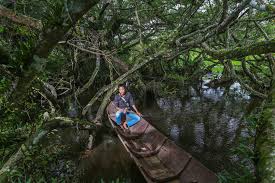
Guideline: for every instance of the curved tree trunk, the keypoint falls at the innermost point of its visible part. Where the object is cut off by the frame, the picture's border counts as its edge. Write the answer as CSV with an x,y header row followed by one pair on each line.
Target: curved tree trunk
x,y
35,61
92,78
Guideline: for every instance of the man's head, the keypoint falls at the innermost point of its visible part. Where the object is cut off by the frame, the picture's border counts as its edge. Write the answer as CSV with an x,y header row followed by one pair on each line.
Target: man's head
x,y
121,89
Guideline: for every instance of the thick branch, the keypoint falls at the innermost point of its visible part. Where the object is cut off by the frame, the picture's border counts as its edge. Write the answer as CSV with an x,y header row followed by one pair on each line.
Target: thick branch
x,y
120,79
92,78
261,47
20,19
103,104
234,15
218,28
251,75
51,34
224,10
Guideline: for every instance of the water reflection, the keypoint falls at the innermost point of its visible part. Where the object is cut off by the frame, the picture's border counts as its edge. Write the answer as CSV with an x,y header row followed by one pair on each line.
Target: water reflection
x,y
108,162
206,124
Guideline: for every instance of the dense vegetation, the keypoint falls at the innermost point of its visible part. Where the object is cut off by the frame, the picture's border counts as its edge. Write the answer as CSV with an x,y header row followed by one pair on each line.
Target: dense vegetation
x,y
61,61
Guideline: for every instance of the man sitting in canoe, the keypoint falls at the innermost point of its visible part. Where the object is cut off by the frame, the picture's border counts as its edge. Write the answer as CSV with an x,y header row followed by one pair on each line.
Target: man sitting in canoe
x,y
124,102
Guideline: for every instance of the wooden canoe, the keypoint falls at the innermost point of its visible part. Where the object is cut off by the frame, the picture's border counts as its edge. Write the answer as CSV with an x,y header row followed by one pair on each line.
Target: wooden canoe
x,y
158,158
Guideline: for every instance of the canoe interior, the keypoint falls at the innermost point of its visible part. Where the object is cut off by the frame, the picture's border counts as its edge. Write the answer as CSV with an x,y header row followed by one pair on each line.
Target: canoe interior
x,y
158,158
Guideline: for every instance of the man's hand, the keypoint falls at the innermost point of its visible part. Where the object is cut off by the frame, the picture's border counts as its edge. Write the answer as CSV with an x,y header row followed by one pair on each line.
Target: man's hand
x,y
138,113
123,110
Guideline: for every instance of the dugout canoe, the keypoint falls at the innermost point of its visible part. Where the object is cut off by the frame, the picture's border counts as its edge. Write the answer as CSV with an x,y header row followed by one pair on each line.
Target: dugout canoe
x,y
159,158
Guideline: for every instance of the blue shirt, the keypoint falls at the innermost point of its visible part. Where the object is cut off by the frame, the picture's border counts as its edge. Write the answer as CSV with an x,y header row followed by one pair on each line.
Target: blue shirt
x,y
121,104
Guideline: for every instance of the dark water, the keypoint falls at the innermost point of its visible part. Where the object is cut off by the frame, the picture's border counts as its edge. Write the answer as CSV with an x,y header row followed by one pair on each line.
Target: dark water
x,y
206,122
109,162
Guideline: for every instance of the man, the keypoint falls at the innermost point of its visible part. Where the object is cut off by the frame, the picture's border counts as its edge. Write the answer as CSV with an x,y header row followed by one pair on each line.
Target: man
x,y
124,102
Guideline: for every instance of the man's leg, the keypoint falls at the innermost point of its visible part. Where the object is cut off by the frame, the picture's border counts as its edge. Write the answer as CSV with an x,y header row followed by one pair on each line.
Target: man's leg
x,y
118,117
134,118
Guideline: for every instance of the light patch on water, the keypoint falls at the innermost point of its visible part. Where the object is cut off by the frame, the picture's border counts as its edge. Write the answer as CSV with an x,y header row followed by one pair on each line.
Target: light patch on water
x,y
192,91
168,104
234,158
214,94
204,84
233,124
174,132
195,98
219,141
236,88
199,134
245,132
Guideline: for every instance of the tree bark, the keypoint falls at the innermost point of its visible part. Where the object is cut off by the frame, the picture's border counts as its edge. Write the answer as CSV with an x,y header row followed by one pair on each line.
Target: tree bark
x,y
20,19
261,47
120,79
35,61
103,105
92,78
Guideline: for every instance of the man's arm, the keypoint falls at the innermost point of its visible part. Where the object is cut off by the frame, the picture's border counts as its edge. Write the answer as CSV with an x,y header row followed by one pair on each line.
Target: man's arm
x,y
134,107
116,101
131,100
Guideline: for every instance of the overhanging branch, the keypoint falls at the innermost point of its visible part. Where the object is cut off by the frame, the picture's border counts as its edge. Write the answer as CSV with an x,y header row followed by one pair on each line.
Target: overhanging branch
x,y
20,19
258,48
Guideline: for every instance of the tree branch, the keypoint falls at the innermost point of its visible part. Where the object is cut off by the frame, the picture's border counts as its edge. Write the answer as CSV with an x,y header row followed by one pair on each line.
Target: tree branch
x,y
20,19
92,78
51,34
261,47
120,79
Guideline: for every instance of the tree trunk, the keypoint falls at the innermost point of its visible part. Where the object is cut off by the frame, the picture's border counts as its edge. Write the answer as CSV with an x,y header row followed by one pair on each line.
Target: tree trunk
x,y
35,61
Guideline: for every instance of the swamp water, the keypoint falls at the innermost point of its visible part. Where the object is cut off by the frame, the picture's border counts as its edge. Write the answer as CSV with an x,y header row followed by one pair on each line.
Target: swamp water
x,y
206,123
